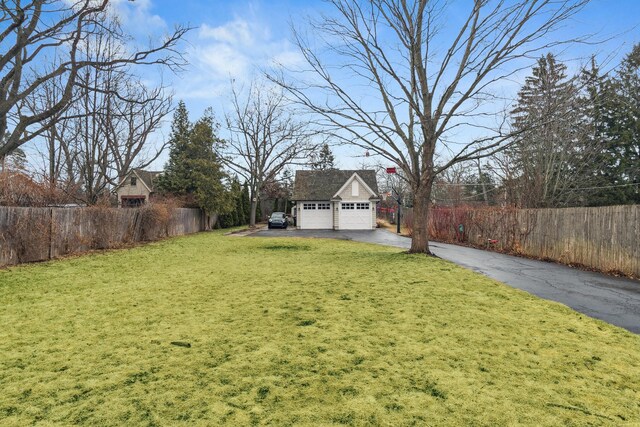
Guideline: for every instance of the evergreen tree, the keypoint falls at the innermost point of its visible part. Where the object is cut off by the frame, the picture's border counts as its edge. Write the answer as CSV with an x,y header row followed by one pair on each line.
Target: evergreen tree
x,y
599,100
205,175
323,159
236,216
236,190
194,169
287,186
258,210
615,119
628,136
245,201
174,179
548,151
480,187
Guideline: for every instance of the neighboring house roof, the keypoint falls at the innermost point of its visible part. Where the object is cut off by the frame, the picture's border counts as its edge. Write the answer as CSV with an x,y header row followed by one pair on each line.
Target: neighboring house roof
x,y
148,178
324,184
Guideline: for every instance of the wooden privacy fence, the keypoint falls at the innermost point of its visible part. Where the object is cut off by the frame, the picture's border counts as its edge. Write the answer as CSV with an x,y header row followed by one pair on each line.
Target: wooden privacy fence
x,y
38,234
604,238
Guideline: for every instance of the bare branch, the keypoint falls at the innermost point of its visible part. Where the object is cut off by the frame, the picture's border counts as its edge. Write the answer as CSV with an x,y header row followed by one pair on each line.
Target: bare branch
x,y
266,137
42,29
416,95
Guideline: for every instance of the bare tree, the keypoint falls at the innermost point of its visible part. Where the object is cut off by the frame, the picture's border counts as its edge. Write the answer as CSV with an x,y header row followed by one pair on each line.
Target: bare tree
x,y
34,32
112,132
103,133
426,82
57,160
449,185
265,138
130,125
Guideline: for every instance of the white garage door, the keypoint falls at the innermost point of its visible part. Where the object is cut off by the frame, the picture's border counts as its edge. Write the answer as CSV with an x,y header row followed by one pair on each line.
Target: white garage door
x,y
355,216
316,215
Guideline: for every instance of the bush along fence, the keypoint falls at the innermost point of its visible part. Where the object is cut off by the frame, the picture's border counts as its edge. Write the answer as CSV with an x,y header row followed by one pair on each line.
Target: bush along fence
x,y
38,234
602,238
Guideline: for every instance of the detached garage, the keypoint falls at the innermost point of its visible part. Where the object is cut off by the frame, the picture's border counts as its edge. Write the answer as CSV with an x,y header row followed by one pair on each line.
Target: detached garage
x,y
335,199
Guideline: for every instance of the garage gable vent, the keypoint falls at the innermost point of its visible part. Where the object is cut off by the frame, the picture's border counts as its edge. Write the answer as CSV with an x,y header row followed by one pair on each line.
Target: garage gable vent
x,y
354,188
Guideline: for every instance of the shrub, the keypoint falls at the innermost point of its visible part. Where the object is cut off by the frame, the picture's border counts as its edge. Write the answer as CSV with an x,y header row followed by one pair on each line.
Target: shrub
x,y
153,221
25,235
19,189
102,225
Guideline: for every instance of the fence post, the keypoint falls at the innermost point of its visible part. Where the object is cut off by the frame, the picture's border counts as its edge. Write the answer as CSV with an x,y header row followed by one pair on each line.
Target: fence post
x,y
50,252
136,226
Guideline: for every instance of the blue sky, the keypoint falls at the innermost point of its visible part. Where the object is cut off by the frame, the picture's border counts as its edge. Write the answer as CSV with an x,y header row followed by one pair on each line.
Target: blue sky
x,y
235,39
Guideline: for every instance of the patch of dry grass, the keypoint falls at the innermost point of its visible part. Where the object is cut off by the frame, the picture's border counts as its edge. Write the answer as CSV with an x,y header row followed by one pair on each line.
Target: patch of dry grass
x,y
383,223
305,332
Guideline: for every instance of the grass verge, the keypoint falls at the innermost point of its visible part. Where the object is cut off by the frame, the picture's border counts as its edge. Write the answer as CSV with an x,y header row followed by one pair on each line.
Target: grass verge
x,y
305,332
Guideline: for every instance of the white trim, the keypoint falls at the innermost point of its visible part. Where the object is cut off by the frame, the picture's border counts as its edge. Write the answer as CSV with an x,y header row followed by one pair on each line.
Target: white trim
x,y
123,180
142,180
348,181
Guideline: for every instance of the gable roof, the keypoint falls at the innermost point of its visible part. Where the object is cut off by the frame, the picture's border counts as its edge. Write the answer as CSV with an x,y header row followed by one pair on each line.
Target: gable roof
x,y
355,177
148,178
322,185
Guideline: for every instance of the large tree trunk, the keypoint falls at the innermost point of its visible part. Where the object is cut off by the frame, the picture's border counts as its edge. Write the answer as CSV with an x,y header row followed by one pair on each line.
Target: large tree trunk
x,y
421,211
254,206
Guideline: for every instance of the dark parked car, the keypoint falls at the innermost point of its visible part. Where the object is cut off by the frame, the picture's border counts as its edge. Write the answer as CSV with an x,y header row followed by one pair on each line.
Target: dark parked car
x,y
278,220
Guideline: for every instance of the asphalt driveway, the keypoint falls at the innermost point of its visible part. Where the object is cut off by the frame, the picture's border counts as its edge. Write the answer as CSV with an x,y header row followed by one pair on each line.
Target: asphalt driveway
x,y
612,299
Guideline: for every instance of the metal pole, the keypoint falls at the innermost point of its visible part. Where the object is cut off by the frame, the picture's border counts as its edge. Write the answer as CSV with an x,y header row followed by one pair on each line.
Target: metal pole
x,y
398,218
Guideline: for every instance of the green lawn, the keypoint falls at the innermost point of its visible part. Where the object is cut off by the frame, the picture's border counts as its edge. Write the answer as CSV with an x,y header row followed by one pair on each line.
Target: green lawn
x,y
288,332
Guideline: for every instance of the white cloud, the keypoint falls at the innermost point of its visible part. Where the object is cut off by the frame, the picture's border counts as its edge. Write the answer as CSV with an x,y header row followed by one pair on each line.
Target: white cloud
x,y
236,50
203,91
223,60
137,16
237,32
288,58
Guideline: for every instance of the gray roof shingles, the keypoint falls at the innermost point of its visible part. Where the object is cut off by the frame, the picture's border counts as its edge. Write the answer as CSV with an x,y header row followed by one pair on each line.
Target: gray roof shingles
x,y
323,184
